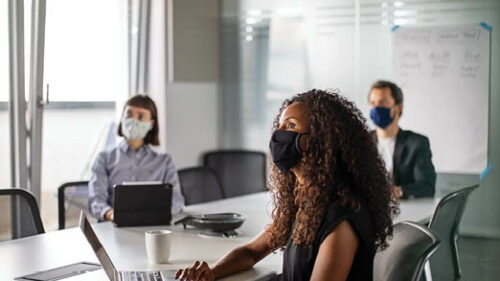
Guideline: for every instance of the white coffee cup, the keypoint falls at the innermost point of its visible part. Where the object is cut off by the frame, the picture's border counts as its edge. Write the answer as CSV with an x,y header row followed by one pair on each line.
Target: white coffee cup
x,y
158,245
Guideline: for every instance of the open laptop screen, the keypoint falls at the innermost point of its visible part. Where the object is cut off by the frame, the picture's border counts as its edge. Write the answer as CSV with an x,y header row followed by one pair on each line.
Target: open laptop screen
x,y
101,254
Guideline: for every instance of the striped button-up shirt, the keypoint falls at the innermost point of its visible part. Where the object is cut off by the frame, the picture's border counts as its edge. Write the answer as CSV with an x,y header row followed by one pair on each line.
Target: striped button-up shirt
x,y
123,164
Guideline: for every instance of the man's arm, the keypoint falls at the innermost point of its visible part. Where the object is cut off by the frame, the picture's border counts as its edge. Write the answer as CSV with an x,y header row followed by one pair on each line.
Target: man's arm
x,y
423,173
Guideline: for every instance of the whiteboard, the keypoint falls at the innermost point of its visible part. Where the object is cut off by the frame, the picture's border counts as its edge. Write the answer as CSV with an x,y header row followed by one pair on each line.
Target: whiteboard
x,y
444,73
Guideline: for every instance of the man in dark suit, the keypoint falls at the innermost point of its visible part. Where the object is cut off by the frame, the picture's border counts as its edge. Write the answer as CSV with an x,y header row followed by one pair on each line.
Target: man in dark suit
x,y
407,155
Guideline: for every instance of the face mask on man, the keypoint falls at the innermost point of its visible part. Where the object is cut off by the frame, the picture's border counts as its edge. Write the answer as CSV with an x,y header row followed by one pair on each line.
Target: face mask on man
x,y
134,129
285,149
381,116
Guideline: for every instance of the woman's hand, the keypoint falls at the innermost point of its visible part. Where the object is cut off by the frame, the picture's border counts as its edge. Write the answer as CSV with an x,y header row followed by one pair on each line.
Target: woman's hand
x,y
239,259
109,216
396,192
199,271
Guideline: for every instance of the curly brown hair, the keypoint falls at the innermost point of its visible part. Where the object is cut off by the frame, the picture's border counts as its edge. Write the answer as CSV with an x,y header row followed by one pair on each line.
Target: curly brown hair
x,y
341,164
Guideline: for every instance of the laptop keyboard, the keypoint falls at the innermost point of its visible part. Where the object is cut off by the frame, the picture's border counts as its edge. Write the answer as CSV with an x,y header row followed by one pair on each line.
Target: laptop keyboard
x,y
141,276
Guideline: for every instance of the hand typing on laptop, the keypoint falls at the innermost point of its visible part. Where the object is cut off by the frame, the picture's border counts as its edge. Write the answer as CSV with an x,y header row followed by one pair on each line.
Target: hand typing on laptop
x,y
198,271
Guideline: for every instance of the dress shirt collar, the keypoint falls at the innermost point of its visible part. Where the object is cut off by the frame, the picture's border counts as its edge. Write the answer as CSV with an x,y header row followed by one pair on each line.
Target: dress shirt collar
x,y
125,147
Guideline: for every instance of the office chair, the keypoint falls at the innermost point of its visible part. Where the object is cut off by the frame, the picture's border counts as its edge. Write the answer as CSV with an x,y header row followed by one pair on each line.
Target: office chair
x,y
74,193
26,206
444,264
240,172
409,249
200,184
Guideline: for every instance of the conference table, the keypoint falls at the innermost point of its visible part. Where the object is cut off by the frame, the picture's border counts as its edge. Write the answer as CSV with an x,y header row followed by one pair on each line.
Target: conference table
x,y
126,246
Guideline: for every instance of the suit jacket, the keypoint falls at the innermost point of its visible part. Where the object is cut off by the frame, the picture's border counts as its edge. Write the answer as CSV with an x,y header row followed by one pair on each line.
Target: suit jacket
x,y
412,165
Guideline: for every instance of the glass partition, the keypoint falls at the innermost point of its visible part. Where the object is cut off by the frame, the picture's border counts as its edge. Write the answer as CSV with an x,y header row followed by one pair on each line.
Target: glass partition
x,y
86,69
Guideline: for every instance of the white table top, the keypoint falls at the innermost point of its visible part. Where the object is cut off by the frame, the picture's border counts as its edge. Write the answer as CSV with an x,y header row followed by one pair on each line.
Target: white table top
x,y
126,246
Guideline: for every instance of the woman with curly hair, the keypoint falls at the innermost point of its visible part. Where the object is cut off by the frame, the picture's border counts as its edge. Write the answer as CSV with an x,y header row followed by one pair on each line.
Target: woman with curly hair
x,y
332,207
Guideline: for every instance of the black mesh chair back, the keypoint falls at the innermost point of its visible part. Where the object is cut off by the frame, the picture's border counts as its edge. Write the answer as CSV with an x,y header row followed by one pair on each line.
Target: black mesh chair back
x,y
199,184
444,264
240,172
23,208
74,194
409,249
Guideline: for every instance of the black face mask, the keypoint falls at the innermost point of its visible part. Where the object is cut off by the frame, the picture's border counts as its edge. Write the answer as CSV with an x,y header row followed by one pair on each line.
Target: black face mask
x,y
285,149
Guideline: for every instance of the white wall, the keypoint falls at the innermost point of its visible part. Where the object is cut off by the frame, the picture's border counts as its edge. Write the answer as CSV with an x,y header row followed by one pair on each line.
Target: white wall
x,y
187,105
191,121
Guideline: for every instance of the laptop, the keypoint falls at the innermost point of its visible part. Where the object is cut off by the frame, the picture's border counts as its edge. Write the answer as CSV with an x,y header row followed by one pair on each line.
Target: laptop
x,y
107,264
142,203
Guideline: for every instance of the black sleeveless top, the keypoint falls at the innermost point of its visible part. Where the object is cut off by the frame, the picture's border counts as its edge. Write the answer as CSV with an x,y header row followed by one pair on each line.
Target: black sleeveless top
x,y
298,261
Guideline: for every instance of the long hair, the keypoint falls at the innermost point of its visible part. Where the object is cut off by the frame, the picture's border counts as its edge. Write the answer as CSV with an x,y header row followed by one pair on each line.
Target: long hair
x,y
340,164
